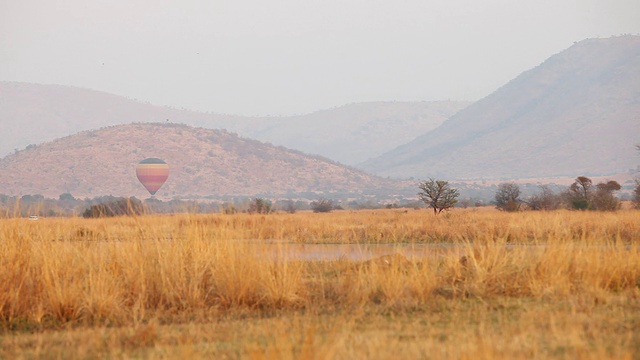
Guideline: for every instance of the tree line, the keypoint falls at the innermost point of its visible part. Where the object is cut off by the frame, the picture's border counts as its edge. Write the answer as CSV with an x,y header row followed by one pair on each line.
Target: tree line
x,y
582,194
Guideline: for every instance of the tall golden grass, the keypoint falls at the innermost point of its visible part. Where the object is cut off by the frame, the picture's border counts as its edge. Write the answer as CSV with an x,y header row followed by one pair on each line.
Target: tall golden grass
x,y
152,275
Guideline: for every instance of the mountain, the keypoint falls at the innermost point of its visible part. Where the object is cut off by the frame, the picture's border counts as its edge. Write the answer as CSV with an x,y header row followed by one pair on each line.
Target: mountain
x,y
352,133
32,114
202,162
578,113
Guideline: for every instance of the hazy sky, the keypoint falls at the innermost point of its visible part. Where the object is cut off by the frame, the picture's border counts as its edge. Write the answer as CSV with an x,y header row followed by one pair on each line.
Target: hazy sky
x,y
258,57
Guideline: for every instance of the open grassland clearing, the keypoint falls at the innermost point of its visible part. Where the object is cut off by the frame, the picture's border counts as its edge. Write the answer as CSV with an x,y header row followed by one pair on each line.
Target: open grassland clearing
x,y
513,285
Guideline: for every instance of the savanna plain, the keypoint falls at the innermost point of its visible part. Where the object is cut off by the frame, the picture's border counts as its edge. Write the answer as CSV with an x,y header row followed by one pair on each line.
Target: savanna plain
x,y
470,283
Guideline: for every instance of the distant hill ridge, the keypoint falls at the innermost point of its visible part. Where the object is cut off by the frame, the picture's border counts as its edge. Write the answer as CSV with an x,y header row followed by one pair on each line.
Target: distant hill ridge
x,y
32,114
577,113
202,162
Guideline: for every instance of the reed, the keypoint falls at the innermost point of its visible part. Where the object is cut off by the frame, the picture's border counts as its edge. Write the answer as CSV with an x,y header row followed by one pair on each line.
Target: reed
x,y
138,282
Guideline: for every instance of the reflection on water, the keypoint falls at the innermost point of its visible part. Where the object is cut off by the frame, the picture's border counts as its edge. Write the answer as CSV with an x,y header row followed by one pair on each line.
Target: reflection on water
x,y
358,251
296,251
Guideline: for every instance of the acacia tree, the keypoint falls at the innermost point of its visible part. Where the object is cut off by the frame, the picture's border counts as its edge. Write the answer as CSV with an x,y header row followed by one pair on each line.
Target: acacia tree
x,y
508,197
583,195
580,193
438,195
603,199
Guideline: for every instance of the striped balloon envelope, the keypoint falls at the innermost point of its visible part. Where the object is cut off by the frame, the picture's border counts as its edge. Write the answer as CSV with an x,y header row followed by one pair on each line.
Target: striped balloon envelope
x,y
152,173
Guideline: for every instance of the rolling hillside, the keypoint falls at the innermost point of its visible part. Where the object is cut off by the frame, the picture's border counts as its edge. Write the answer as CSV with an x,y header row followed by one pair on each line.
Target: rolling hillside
x,y
32,114
578,113
203,162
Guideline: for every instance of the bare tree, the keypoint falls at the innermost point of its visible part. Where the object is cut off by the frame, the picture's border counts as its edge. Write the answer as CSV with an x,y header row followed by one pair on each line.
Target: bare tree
x,y
546,199
438,195
508,197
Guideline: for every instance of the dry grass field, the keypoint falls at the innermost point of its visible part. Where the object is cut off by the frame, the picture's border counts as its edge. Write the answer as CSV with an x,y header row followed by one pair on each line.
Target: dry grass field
x,y
498,285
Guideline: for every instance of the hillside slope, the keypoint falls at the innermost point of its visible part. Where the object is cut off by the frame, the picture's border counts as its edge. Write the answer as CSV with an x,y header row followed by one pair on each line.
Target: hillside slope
x,y
352,133
32,114
202,161
578,113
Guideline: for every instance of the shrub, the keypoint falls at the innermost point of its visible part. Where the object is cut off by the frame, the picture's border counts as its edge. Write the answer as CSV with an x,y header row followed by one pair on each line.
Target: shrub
x,y
229,208
636,194
580,193
508,197
603,198
117,207
583,195
545,200
260,206
289,206
322,205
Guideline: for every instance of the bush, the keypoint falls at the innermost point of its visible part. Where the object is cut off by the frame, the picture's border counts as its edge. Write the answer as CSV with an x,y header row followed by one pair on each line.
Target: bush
x,y
260,206
508,197
289,206
117,207
580,193
583,195
322,205
636,194
603,199
545,200
229,208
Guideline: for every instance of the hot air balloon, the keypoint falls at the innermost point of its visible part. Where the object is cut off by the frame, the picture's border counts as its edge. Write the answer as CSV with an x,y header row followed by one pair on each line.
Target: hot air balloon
x,y
152,173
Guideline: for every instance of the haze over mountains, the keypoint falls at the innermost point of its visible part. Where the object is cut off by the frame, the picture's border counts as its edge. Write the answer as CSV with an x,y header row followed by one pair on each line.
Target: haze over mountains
x,y
578,113
352,133
202,162
32,114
